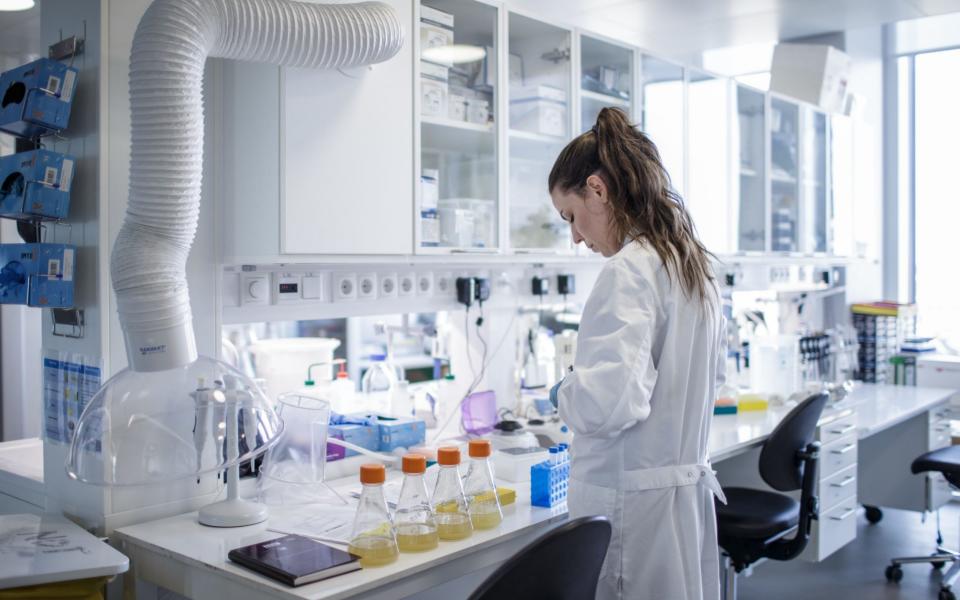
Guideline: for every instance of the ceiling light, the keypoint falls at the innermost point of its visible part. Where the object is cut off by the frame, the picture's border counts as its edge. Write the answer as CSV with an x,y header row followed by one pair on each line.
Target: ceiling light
x,y
11,5
454,54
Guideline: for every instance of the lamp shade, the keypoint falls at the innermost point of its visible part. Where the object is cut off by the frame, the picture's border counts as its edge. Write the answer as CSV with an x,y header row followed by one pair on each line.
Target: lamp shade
x,y
12,5
146,428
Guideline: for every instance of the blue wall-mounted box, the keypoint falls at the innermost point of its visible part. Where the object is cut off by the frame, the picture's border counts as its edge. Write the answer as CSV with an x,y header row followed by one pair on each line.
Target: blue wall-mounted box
x,y
36,98
35,185
38,275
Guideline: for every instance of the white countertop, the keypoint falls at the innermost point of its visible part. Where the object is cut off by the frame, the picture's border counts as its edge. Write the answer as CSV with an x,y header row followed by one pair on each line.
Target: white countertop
x,y
204,550
184,539
49,548
878,407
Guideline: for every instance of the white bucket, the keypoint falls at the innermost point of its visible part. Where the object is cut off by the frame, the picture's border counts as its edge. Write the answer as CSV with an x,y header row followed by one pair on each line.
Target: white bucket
x,y
283,362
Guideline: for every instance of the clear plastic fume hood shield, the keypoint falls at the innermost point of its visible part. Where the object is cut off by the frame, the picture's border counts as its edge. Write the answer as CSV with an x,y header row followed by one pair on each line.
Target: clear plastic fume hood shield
x,y
168,415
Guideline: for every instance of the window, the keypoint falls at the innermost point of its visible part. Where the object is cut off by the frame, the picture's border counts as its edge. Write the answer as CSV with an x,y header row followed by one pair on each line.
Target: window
x,y
936,115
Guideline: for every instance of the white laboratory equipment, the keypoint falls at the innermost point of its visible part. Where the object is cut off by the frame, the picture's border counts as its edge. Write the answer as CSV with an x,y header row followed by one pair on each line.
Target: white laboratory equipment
x,y
284,362
565,344
775,366
378,383
401,400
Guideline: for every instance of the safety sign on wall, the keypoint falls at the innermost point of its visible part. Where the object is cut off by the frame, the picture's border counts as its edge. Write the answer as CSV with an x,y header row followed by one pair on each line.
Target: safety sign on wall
x,y
69,383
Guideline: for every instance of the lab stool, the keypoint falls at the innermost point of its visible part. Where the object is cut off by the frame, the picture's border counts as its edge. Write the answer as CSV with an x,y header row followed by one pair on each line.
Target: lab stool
x,y
947,462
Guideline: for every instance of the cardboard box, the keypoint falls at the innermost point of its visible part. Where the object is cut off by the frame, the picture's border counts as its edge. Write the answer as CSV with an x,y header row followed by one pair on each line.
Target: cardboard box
x,y
814,73
433,89
400,432
37,98
36,185
436,28
365,436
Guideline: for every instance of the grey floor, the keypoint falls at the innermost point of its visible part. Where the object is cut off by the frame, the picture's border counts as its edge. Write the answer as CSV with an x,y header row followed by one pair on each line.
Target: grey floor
x,y
856,571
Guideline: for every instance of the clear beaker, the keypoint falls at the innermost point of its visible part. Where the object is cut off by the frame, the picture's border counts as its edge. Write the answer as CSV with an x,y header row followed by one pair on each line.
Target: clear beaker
x,y
373,538
293,470
449,503
413,520
479,489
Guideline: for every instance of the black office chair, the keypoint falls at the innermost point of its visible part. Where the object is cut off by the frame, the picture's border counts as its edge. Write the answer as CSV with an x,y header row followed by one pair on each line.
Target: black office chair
x,y
755,524
945,461
563,564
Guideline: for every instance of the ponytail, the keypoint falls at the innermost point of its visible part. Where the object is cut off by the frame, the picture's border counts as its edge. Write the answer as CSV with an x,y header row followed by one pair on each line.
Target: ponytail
x,y
644,205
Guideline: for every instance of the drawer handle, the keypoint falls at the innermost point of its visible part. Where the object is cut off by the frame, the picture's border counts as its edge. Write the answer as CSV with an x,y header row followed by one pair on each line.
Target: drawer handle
x,y
845,515
846,481
843,431
845,449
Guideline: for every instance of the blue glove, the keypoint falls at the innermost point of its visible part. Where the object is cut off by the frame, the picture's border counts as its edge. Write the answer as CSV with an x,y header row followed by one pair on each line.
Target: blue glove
x,y
553,394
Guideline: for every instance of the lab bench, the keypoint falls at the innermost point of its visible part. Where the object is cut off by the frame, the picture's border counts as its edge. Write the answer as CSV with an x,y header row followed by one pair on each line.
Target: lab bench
x,y
180,555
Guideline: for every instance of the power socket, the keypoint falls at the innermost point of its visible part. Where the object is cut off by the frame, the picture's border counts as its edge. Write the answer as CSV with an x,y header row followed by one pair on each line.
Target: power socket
x,y
407,284
425,284
444,284
345,286
367,286
388,285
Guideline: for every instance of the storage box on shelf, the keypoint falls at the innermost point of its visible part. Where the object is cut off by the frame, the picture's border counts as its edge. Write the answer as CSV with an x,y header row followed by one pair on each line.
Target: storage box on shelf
x,y
881,328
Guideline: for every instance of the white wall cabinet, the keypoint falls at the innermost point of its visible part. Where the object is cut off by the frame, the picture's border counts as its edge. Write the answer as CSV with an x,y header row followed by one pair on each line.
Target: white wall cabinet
x,y
346,159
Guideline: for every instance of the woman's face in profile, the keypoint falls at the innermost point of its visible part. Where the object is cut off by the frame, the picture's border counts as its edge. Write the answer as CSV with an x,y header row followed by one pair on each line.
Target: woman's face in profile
x,y
589,216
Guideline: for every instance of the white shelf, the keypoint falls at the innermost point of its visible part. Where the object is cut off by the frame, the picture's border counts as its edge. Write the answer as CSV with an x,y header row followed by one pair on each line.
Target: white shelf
x,y
444,134
535,146
604,98
748,172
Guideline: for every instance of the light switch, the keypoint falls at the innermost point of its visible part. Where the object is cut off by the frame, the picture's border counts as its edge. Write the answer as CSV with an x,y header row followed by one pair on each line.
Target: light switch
x,y
312,288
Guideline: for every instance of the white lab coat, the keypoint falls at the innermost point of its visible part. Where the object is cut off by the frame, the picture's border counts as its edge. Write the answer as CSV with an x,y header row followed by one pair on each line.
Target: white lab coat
x,y
639,401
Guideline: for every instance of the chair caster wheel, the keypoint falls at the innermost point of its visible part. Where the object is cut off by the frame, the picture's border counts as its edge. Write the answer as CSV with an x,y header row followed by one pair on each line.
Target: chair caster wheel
x,y
937,564
946,595
874,514
894,573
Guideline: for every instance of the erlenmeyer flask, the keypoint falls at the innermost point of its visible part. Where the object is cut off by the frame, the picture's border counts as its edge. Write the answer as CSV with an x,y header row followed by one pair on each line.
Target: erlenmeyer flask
x,y
450,506
479,489
414,522
373,538
293,470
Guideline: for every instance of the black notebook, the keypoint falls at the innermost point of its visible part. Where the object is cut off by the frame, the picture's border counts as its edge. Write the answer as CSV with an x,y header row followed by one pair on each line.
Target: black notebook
x,y
295,560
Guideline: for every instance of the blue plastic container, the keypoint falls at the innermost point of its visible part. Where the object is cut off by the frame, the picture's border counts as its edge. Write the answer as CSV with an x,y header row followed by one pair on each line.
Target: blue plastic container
x,y
37,98
39,275
36,185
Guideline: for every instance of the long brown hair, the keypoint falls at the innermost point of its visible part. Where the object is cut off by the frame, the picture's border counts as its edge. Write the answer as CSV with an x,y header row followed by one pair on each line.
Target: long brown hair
x,y
644,205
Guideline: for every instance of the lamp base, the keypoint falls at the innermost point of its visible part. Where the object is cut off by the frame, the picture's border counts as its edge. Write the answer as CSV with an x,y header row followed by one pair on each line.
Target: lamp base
x,y
233,512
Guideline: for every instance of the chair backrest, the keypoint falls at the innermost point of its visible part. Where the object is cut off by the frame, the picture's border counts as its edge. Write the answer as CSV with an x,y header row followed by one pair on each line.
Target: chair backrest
x,y
563,564
780,466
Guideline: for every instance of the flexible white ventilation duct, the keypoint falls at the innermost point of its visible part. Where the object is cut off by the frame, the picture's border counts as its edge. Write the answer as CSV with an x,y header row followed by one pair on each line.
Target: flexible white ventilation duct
x,y
170,47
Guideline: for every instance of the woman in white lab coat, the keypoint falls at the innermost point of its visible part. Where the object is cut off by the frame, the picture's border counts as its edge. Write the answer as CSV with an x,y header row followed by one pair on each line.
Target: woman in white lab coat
x,y
649,356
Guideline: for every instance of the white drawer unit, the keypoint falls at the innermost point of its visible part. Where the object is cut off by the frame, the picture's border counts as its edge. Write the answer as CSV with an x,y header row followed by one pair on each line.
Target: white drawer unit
x,y
939,427
834,430
836,528
838,455
837,488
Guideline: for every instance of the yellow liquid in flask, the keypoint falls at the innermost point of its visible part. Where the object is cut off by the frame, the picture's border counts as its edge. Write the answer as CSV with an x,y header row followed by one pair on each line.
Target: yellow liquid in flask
x,y
453,525
374,551
416,537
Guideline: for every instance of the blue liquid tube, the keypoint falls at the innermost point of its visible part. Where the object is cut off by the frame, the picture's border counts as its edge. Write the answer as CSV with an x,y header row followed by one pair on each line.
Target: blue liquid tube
x,y
554,455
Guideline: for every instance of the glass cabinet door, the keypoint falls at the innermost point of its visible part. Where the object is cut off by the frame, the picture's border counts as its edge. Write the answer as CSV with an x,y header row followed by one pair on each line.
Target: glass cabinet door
x,y
708,156
606,79
813,182
539,78
458,141
662,118
750,182
784,177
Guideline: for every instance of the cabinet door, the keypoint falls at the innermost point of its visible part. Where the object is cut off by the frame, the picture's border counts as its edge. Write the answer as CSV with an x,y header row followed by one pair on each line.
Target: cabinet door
x,y
784,176
346,157
663,121
749,182
539,75
458,180
708,155
841,185
606,79
814,189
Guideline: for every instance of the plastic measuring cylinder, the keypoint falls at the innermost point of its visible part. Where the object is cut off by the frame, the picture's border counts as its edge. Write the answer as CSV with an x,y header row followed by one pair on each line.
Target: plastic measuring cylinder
x,y
479,488
450,505
373,538
414,522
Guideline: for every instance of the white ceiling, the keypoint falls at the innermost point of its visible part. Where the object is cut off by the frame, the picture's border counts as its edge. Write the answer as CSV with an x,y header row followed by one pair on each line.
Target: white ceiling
x,y
683,28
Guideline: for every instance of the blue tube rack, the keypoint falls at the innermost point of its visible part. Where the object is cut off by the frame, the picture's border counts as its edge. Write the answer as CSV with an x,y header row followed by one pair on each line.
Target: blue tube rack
x,y
548,483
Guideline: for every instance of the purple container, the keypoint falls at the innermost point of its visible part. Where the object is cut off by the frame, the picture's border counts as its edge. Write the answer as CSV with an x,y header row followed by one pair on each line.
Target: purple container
x,y
335,452
479,412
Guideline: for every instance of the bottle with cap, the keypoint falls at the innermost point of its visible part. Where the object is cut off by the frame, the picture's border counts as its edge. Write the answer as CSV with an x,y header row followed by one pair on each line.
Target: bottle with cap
x,y
413,520
373,538
401,401
453,518
564,452
482,502
554,455
342,390
378,383
447,402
